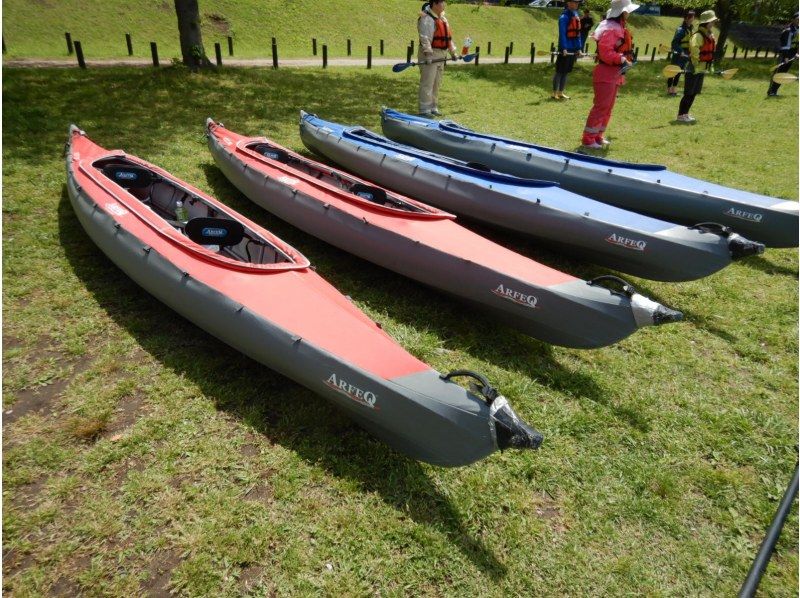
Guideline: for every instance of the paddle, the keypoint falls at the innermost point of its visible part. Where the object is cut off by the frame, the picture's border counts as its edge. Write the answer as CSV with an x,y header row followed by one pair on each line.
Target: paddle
x,y
548,53
781,78
401,66
673,69
779,65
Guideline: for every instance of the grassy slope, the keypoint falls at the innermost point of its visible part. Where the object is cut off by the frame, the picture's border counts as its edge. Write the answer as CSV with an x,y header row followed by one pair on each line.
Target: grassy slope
x,y
167,460
36,29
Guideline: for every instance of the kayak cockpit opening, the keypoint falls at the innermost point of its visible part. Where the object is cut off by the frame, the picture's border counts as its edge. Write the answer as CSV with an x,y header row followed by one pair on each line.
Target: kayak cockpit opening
x,y
338,180
203,223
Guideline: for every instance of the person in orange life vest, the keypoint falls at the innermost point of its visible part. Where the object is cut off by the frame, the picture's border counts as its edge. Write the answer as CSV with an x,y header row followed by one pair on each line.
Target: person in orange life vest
x,y
701,52
570,44
614,51
435,42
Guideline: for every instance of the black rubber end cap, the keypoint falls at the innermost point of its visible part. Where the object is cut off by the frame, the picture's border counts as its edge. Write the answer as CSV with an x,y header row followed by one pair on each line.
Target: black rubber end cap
x,y
665,315
512,432
741,247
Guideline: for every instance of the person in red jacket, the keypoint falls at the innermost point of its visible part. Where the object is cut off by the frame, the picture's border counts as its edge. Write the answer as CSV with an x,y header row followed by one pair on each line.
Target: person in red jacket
x,y
614,52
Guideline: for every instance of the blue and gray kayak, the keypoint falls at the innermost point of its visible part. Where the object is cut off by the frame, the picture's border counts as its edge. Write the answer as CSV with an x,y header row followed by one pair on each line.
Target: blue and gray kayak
x,y
620,239
646,188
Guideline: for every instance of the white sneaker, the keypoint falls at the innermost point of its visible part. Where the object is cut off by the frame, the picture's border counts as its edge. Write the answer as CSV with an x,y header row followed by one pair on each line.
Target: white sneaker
x,y
685,118
594,145
605,142
436,112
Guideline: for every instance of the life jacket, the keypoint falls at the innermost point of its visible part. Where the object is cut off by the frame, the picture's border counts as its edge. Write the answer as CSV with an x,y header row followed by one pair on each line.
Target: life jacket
x,y
687,36
574,27
626,47
442,35
708,47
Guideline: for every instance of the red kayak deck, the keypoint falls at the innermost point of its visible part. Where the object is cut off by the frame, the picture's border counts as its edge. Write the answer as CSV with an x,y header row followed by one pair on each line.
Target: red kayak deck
x,y
433,227
290,295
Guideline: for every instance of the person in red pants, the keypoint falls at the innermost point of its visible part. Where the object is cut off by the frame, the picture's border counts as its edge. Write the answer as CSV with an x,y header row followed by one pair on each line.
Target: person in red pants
x,y
614,52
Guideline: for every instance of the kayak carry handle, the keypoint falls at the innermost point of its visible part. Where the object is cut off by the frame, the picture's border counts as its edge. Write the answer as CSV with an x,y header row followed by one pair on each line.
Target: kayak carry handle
x,y
627,289
486,390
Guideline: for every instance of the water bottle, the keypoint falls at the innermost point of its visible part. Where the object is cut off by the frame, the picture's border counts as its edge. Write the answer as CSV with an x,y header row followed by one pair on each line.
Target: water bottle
x,y
181,213
467,45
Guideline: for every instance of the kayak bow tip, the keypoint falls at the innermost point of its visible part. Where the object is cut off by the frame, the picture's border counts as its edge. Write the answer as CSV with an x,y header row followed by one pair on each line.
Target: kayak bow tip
x,y
647,312
510,431
741,247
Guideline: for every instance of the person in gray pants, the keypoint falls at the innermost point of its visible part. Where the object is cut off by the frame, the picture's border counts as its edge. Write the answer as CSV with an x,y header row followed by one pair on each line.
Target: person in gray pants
x,y
435,43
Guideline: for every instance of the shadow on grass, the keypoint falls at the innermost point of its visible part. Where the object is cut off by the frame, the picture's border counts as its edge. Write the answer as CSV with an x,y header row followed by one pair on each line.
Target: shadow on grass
x,y
762,264
274,406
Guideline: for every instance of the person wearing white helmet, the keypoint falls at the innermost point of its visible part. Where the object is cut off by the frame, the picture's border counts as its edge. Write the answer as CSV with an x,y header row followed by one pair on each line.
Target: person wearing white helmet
x,y
614,51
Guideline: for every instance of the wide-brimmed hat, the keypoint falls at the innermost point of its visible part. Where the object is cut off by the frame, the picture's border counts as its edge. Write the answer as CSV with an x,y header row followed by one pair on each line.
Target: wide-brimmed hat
x,y
620,6
707,16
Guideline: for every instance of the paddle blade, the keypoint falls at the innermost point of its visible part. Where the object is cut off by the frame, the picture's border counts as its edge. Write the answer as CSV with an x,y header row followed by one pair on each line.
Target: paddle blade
x,y
468,57
663,49
781,78
729,74
671,70
401,66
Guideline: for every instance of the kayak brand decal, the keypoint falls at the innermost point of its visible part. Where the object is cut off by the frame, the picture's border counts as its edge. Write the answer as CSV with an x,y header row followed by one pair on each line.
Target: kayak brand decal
x,y
340,385
635,244
516,296
744,215
116,209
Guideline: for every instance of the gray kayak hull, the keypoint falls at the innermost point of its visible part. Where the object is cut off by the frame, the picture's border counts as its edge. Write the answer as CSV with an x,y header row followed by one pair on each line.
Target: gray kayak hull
x,y
573,313
419,414
646,189
664,251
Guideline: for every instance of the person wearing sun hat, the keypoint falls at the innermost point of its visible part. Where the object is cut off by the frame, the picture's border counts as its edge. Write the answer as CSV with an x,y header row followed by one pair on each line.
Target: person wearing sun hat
x,y
614,51
435,43
786,53
701,52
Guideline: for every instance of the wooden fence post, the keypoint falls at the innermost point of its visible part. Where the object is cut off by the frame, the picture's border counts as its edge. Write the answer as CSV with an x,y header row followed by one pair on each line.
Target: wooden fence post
x,y
505,60
510,48
79,53
369,57
324,56
154,53
314,46
218,53
408,53
69,42
129,43
381,47
349,47
230,46
274,53
533,51
477,54
489,49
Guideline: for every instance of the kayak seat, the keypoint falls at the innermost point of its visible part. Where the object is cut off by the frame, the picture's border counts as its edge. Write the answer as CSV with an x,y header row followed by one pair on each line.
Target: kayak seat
x,y
215,231
373,194
273,153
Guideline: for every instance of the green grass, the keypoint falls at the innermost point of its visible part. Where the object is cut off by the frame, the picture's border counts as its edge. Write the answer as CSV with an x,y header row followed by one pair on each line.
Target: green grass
x,y
163,460
36,29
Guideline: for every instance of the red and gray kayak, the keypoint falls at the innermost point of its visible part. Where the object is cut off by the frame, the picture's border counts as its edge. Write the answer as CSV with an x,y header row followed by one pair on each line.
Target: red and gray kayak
x,y
251,290
428,245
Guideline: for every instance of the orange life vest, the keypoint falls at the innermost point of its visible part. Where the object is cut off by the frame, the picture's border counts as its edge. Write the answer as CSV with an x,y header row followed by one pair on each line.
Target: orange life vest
x,y
708,47
441,34
574,28
626,47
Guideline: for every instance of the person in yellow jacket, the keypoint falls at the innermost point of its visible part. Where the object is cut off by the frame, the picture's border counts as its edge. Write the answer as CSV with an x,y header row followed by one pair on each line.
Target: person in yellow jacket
x,y
702,46
435,43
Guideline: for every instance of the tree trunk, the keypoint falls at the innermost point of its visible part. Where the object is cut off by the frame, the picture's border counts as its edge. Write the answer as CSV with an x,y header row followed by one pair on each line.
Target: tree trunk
x,y
192,50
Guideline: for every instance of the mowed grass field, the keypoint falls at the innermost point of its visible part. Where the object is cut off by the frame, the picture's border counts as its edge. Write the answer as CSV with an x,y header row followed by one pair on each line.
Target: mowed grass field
x,y
36,29
142,456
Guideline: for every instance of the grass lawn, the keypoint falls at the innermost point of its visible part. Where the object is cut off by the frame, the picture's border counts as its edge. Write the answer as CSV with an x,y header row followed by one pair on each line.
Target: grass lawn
x,y
140,455
36,29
